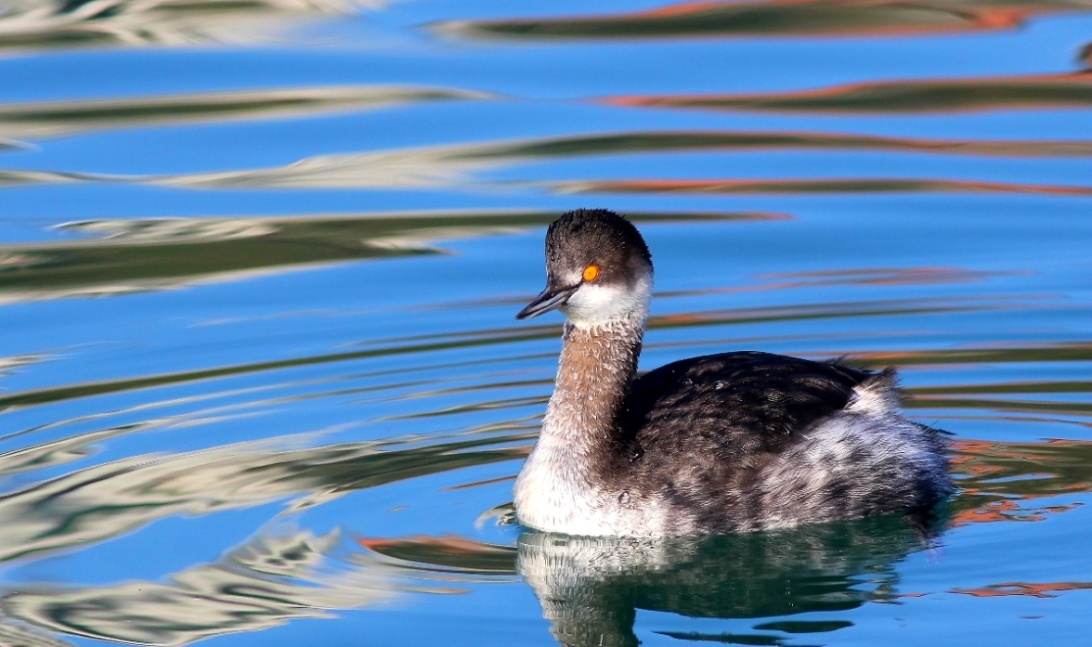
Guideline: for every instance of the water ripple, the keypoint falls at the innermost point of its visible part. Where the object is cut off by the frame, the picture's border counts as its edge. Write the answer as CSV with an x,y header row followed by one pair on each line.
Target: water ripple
x,y
58,118
817,186
55,24
795,18
153,254
1034,92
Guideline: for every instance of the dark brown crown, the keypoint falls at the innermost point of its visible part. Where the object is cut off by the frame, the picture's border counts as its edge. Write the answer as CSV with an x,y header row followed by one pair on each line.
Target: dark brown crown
x,y
601,237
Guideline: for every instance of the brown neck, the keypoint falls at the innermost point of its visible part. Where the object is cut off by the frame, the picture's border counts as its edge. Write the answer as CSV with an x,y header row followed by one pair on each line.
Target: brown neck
x,y
593,380
573,464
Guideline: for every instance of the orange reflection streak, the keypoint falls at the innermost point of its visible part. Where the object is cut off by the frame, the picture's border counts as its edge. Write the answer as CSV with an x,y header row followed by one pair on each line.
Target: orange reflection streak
x,y
926,95
998,511
891,18
999,478
882,276
1036,590
452,544
786,18
448,552
683,9
794,186
1065,352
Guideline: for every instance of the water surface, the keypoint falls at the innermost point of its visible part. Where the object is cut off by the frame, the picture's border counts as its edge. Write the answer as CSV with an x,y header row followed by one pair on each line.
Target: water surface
x,y
260,381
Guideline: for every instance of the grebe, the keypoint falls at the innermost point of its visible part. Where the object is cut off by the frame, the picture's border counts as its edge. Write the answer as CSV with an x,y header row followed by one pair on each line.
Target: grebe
x,y
716,444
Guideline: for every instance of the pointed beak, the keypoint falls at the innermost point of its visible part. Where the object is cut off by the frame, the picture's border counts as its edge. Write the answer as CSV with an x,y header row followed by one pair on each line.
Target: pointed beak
x,y
550,299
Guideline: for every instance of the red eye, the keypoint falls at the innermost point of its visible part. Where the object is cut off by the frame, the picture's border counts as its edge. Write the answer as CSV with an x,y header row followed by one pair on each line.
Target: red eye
x,y
591,272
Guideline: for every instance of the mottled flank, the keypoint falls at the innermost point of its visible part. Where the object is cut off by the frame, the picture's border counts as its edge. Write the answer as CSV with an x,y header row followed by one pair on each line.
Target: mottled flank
x,y
715,444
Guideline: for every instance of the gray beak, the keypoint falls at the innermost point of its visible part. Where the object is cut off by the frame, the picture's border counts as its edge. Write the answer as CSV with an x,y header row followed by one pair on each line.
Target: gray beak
x,y
550,299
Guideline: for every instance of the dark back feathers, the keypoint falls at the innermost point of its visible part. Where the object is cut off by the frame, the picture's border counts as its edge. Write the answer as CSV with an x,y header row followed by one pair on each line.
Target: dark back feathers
x,y
739,404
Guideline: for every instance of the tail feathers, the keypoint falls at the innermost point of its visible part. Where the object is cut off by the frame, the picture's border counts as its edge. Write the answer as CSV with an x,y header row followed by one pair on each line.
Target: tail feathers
x,y
876,394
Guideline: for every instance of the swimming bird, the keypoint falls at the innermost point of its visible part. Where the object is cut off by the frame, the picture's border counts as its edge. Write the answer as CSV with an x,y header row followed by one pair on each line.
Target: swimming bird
x,y
716,444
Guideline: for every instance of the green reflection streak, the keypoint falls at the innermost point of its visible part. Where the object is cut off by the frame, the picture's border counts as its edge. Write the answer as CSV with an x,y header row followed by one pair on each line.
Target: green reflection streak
x,y
15,178
148,254
51,269
1046,386
1032,92
947,397
993,404
56,39
442,165
1072,352
653,141
942,397
55,118
750,19
814,186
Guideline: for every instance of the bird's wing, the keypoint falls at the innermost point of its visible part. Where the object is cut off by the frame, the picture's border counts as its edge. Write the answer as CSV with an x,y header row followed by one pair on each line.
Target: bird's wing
x,y
735,404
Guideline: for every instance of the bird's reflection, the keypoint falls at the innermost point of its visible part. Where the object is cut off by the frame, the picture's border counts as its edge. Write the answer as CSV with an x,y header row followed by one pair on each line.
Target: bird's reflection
x,y
591,588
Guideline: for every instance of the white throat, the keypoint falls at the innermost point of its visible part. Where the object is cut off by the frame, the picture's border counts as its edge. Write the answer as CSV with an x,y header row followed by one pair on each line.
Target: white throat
x,y
595,305
565,484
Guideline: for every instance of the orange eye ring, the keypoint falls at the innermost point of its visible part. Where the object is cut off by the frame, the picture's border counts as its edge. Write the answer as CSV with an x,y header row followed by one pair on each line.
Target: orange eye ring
x,y
591,272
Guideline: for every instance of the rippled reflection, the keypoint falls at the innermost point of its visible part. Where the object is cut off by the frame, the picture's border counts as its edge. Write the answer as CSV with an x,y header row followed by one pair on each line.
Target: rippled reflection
x,y
264,583
17,634
94,504
1029,589
1041,92
1006,481
439,166
327,451
35,24
504,337
138,255
57,118
590,588
786,18
809,186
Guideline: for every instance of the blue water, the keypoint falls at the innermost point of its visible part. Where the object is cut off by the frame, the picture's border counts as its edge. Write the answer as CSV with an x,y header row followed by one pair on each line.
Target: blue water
x,y
260,381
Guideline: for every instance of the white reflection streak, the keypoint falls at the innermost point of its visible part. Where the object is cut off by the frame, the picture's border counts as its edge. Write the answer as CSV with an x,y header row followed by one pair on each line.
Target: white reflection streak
x,y
35,24
123,236
57,118
131,286
18,636
264,583
106,500
422,167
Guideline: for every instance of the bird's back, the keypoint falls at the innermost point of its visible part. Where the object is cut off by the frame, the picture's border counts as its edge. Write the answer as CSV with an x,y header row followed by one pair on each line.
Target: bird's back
x,y
735,404
750,440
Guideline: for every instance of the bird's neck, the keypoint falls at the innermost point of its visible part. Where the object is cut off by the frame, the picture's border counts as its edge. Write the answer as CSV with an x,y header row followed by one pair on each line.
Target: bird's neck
x,y
594,373
569,472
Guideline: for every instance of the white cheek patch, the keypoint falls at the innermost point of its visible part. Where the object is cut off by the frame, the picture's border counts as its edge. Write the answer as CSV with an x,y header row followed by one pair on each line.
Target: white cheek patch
x,y
594,304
